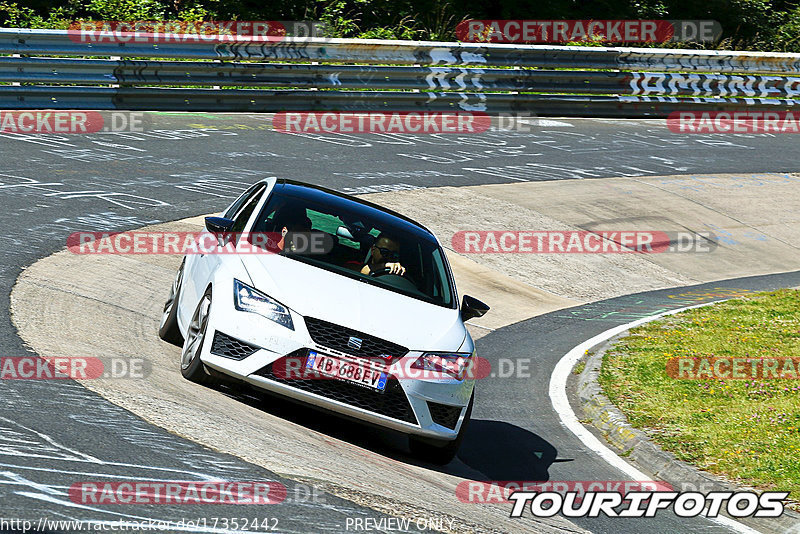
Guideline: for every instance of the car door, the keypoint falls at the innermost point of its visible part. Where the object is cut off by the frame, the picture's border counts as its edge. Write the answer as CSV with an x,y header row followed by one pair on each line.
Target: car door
x,y
200,268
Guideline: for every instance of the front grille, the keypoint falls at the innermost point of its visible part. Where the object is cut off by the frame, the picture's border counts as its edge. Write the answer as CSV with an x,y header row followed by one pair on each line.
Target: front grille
x,y
445,415
336,337
230,347
391,403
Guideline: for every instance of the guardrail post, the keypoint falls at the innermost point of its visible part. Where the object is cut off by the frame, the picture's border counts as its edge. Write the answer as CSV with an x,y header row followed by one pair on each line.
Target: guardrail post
x,y
16,84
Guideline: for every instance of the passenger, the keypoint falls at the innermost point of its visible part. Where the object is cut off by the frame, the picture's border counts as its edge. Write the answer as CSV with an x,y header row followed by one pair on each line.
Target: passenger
x,y
293,224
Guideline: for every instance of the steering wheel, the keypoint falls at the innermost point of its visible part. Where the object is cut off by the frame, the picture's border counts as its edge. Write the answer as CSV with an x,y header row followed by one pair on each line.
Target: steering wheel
x,y
383,271
400,281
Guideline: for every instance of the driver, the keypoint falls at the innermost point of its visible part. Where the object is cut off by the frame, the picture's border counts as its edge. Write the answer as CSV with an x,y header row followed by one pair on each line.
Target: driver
x,y
384,254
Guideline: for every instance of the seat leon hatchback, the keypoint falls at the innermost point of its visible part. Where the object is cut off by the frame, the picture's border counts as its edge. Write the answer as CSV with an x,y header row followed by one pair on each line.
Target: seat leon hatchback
x,y
334,302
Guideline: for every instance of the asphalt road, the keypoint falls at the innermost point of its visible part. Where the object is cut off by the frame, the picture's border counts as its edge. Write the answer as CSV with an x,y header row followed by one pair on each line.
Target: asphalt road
x,y
188,164
514,420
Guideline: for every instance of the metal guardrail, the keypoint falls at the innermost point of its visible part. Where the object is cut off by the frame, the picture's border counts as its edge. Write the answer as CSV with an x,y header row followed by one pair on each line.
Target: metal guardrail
x,y
420,75
163,99
166,73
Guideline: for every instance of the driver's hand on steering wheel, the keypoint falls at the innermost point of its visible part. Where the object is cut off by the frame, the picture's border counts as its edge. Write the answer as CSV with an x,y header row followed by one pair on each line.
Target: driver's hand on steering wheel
x,y
395,268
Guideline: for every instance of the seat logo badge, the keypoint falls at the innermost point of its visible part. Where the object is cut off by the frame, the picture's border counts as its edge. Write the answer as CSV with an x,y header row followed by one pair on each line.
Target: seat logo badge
x,y
354,343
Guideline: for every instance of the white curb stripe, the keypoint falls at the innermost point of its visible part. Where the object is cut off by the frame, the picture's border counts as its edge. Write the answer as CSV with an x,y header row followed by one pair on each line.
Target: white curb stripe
x,y
558,396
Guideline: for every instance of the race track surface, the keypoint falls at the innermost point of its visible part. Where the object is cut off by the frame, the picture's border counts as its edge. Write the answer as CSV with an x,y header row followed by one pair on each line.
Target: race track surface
x,y
190,164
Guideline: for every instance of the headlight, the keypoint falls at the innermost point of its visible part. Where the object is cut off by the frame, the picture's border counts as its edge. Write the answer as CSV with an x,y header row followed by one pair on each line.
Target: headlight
x,y
457,365
246,298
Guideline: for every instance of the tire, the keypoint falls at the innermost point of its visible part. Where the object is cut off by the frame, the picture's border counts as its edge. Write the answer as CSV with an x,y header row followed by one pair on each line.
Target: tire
x,y
191,366
440,452
168,329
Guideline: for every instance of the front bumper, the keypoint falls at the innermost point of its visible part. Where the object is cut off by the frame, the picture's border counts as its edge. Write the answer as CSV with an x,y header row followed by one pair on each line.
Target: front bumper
x,y
432,408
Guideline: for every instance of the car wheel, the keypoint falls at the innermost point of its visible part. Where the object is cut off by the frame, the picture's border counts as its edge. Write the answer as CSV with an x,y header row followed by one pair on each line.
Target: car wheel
x,y
168,329
191,366
438,451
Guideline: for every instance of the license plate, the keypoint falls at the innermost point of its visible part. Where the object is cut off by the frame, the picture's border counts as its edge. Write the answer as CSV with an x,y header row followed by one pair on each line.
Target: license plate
x,y
361,373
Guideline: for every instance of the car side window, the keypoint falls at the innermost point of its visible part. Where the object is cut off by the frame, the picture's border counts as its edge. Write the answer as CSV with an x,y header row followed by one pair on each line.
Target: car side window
x,y
241,217
234,208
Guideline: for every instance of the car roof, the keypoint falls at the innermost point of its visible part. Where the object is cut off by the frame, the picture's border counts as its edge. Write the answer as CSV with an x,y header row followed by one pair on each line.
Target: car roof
x,y
325,195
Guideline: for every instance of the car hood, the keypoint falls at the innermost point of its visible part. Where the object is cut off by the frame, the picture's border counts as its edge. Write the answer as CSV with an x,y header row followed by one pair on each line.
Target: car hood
x,y
315,292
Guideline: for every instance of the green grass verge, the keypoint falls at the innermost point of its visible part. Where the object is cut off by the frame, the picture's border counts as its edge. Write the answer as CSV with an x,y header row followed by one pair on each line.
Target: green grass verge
x,y
745,430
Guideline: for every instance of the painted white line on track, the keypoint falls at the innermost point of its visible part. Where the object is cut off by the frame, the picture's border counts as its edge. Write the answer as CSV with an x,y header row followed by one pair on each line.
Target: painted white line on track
x,y
533,121
558,396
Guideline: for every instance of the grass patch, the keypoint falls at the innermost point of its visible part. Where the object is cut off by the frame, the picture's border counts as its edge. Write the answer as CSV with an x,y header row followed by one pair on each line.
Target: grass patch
x,y
579,367
745,430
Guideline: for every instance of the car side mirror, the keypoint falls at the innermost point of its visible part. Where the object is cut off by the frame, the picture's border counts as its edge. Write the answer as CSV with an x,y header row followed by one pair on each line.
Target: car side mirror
x,y
218,225
472,307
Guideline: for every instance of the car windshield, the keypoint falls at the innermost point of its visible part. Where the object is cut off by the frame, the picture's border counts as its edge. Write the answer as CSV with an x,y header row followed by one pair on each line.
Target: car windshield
x,y
356,235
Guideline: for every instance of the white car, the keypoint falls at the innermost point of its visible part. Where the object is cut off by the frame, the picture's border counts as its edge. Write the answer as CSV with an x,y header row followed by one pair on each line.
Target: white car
x,y
343,305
